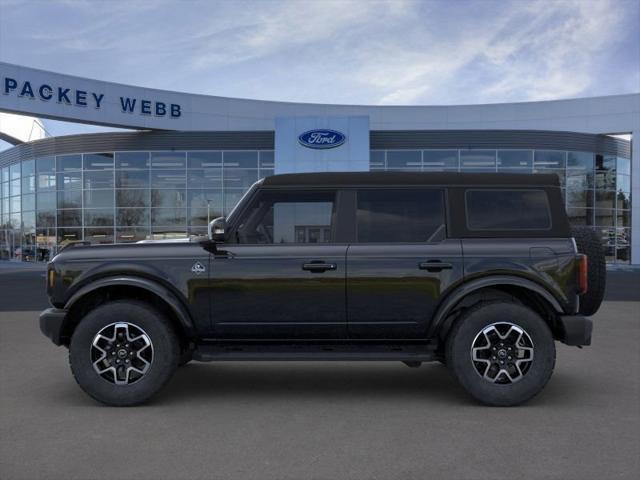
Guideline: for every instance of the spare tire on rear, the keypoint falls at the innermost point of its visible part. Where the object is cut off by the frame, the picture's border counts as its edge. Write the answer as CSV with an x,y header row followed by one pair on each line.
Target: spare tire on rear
x,y
589,243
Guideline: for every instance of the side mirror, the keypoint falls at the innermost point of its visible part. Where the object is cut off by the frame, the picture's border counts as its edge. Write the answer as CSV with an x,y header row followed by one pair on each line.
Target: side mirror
x,y
217,228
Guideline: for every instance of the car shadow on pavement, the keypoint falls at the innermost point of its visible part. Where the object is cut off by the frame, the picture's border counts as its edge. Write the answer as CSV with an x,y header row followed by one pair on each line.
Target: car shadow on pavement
x,y
431,383
311,380
203,383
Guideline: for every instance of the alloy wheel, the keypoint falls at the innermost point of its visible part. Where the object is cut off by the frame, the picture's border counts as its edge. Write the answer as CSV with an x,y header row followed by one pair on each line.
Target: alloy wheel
x,y
121,353
502,353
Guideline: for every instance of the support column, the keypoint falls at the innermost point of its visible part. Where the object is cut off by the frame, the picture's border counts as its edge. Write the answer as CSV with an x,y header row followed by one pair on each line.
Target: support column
x,y
635,197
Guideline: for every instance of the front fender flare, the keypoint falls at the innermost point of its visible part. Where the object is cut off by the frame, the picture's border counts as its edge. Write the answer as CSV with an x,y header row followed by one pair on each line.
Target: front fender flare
x,y
167,296
439,319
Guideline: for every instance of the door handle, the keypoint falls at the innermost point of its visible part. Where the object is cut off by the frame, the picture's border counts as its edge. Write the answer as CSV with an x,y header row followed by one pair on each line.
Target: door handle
x,y
434,266
318,267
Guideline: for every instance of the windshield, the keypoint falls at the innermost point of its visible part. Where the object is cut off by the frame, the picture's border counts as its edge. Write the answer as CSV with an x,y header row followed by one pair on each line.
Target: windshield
x,y
247,194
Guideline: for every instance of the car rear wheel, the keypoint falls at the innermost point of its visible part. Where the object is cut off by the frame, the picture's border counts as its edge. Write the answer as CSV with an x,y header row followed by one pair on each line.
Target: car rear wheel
x,y
502,353
123,352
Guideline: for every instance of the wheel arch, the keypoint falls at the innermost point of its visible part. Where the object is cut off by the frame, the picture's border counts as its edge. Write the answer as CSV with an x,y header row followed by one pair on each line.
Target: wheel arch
x,y
511,288
127,287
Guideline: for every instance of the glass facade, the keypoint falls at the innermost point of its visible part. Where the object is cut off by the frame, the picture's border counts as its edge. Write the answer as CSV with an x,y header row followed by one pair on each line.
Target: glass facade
x,y
119,197
596,188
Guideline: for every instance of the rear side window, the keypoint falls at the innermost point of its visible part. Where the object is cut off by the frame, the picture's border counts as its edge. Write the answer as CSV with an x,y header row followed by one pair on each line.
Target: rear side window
x,y
507,210
389,215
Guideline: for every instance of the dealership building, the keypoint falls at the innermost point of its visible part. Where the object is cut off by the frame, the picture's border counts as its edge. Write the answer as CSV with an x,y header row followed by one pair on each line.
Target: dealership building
x,y
186,159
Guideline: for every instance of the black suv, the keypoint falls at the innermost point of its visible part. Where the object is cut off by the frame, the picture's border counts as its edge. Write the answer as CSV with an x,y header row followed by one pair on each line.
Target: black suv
x,y
478,271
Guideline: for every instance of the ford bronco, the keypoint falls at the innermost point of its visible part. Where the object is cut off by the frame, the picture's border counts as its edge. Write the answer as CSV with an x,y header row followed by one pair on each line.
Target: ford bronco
x,y
481,272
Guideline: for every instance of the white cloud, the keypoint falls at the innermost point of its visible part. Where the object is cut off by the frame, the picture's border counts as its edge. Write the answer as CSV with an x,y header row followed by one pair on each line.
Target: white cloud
x,y
553,56
270,28
543,51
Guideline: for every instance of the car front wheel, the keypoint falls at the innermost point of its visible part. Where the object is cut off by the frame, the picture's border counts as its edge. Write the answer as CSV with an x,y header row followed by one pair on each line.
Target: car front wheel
x,y
123,352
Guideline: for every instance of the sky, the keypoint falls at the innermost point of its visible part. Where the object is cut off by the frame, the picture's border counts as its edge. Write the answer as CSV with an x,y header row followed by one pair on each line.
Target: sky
x,y
395,52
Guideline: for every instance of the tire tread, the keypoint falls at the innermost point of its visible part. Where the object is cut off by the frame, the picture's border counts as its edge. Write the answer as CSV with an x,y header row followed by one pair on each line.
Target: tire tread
x,y
589,244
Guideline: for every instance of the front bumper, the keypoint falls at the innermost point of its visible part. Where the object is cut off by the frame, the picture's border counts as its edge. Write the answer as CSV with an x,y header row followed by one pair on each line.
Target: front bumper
x,y
52,323
575,330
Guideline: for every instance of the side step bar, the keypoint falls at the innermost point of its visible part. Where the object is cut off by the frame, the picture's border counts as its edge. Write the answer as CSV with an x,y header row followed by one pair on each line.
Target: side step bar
x,y
233,351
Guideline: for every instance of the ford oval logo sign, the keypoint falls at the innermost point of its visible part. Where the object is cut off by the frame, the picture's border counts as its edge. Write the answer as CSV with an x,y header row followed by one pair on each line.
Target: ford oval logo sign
x,y
322,138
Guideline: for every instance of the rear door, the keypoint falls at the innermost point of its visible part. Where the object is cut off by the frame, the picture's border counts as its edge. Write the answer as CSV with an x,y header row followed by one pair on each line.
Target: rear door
x,y
401,263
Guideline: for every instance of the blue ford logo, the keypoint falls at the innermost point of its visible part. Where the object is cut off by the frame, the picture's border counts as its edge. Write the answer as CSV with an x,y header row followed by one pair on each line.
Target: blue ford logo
x,y
322,138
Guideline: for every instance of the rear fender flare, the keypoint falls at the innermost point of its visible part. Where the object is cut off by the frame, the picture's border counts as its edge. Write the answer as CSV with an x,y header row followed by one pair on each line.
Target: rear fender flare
x,y
440,318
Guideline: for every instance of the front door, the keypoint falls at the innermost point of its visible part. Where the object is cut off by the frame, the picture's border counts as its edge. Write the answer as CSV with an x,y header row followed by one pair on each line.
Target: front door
x,y
281,275
401,263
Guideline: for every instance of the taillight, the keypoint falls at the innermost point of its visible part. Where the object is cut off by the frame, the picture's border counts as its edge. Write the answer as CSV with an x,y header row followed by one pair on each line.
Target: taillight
x,y
583,272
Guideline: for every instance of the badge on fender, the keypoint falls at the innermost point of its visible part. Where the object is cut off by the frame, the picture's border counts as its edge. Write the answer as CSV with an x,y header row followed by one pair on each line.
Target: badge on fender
x,y
198,268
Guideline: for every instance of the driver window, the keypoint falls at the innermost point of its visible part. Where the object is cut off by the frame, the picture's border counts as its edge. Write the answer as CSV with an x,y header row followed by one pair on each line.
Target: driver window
x,y
289,217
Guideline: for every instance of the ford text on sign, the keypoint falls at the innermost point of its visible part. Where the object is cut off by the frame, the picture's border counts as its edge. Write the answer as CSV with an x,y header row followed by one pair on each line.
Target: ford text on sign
x,y
322,138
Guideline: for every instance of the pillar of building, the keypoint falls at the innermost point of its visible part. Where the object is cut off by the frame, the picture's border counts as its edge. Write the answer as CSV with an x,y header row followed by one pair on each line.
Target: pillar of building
x,y
635,197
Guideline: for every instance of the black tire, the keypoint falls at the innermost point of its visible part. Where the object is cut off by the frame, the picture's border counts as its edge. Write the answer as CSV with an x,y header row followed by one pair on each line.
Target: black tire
x,y
165,352
469,327
590,244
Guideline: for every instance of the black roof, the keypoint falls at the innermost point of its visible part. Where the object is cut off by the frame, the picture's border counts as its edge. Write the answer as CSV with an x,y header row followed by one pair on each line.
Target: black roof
x,y
411,178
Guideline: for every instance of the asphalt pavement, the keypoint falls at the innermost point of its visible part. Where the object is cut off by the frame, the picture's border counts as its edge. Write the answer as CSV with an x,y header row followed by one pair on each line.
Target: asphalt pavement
x,y
22,288
320,420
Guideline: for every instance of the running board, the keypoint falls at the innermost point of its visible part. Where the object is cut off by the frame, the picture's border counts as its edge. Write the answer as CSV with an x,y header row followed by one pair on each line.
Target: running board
x,y
232,351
